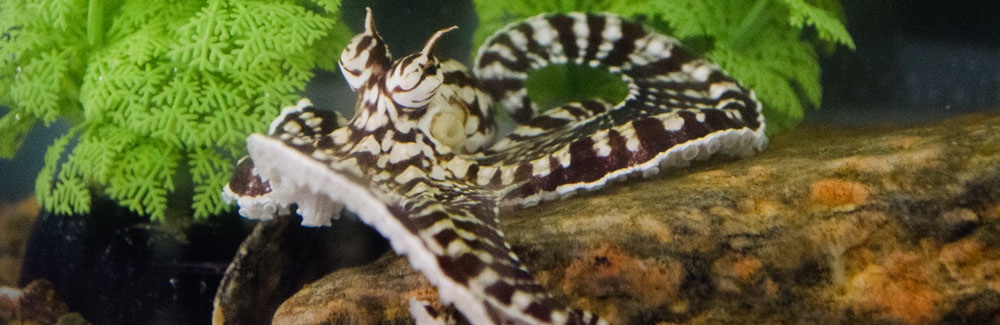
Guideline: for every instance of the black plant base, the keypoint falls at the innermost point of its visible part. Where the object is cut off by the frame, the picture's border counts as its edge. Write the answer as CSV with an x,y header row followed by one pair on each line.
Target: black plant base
x,y
281,256
115,267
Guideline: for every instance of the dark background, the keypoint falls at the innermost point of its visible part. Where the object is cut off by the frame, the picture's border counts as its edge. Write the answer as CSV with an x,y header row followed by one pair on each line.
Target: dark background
x,y
916,61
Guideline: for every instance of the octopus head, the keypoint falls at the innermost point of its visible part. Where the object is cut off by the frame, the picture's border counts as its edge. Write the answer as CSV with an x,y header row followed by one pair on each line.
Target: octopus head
x,y
415,79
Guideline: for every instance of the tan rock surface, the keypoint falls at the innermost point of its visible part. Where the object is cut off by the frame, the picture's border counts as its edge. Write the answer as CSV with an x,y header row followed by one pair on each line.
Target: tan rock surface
x,y
825,226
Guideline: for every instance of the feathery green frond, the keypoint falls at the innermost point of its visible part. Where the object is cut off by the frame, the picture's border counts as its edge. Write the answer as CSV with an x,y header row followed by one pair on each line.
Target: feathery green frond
x,y
828,26
45,183
36,86
209,173
100,148
151,86
332,7
143,177
327,49
71,195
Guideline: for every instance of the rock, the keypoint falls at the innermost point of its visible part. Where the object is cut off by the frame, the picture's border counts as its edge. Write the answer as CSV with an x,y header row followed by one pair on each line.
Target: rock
x,y
40,303
72,319
280,256
884,225
37,303
372,294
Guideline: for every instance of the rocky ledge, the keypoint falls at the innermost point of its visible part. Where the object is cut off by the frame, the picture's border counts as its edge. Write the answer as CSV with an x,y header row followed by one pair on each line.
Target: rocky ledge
x,y
886,225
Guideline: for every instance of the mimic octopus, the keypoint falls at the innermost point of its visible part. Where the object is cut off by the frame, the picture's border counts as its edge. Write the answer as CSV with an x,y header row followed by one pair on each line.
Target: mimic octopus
x,y
418,162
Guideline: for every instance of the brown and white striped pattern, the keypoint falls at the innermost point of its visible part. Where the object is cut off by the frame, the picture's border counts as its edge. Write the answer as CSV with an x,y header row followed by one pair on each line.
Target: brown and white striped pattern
x,y
418,163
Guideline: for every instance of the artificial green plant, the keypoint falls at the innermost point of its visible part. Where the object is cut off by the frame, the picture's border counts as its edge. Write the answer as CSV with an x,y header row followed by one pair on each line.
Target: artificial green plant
x,y
160,94
769,45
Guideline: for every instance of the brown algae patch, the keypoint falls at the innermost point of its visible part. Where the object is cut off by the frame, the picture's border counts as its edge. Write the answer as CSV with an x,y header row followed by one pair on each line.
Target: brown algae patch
x,y
731,273
900,289
628,282
837,194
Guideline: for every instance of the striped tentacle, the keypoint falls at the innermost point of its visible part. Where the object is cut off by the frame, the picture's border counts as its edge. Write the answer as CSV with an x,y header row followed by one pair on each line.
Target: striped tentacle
x,y
679,107
461,228
302,125
503,62
299,127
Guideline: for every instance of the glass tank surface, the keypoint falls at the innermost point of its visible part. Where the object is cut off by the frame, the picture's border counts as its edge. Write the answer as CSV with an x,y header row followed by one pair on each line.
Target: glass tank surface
x,y
615,161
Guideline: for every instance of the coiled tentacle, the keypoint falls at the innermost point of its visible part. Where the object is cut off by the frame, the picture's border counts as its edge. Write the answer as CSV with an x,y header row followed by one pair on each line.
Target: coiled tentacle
x,y
679,107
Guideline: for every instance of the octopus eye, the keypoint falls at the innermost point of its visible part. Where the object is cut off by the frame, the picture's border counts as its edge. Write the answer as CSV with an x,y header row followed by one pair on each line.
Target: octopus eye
x,y
431,70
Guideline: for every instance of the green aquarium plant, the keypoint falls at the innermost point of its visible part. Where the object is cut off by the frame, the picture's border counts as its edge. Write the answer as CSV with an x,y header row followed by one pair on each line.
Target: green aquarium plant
x,y
769,45
160,95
